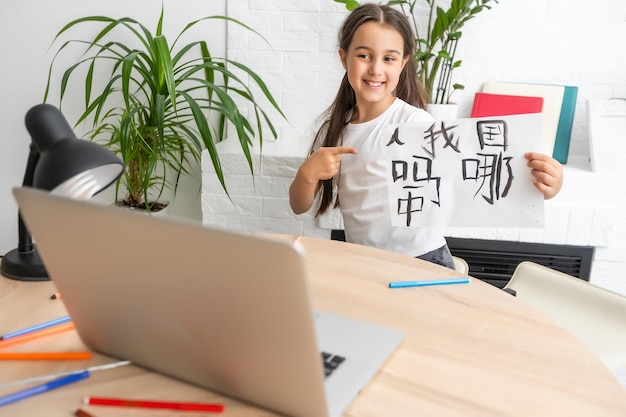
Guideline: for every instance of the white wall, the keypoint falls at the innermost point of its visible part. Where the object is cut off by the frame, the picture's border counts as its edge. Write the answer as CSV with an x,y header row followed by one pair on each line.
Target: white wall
x,y
27,28
570,42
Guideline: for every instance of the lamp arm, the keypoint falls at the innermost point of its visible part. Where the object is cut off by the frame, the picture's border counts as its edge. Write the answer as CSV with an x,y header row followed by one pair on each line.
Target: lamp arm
x,y
25,243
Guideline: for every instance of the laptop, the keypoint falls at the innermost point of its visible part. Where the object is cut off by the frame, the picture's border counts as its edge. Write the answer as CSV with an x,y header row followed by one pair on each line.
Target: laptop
x,y
229,312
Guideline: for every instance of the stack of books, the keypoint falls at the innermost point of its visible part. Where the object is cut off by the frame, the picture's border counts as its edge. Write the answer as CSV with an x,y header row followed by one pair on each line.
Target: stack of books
x,y
557,103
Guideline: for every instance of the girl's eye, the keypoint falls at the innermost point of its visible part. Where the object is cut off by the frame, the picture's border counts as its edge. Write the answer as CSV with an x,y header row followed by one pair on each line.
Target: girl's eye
x,y
389,59
363,56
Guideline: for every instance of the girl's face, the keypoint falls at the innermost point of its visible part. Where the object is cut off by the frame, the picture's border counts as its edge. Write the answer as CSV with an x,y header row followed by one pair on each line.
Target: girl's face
x,y
374,61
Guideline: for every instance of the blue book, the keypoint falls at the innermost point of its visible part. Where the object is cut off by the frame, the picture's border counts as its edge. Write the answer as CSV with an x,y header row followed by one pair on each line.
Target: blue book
x,y
566,121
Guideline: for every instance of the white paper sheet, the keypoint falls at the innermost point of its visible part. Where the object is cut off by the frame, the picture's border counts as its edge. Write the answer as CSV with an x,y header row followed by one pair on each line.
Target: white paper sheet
x,y
465,172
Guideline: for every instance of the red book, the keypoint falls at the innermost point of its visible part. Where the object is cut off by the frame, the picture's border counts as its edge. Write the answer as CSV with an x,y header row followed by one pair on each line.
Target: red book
x,y
486,105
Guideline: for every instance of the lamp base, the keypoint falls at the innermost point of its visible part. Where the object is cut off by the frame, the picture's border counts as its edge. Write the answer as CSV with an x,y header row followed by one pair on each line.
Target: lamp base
x,y
24,266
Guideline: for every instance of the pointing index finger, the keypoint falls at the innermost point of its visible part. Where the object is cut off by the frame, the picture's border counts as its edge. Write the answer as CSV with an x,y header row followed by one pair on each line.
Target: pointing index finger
x,y
346,149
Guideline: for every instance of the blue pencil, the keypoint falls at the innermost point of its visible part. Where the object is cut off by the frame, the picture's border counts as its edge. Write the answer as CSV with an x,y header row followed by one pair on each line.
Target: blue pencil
x,y
405,284
36,327
38,389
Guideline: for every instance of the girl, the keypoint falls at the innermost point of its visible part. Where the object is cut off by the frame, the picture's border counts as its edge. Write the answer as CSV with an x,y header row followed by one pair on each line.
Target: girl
x,y
376,48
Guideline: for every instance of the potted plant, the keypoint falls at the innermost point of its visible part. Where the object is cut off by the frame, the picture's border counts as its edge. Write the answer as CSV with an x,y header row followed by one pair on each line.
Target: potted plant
x,y
159,104
437,33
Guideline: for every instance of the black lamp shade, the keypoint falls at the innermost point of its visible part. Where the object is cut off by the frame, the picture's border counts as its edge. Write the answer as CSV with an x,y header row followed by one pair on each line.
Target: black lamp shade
x,y
63,156
63,161
60,163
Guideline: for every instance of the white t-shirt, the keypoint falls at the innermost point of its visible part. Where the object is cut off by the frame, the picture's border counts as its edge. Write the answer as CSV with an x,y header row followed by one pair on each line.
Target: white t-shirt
x,y
362,187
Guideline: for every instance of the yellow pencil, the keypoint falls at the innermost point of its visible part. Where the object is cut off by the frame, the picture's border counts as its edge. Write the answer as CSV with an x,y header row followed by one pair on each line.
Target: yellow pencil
x,y
44,356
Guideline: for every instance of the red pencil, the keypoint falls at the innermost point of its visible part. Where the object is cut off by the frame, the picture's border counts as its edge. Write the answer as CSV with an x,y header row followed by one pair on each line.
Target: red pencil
x,y
120,402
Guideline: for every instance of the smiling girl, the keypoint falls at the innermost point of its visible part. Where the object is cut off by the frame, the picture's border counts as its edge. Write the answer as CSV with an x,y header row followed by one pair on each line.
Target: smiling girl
x,y
346,164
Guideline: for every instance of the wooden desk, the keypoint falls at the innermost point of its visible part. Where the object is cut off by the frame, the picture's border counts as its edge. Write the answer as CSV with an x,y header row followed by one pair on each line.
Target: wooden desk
x,y
469,350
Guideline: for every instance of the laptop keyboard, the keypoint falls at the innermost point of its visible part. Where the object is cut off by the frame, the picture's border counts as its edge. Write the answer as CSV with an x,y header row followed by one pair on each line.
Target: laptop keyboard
x,y
331,362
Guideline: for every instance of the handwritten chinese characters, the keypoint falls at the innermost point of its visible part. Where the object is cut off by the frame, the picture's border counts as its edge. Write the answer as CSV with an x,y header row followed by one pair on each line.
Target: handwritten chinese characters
x,y
465,172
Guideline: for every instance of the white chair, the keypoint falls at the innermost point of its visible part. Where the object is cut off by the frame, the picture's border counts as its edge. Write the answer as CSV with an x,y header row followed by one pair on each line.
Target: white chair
x,y
596,316
460,265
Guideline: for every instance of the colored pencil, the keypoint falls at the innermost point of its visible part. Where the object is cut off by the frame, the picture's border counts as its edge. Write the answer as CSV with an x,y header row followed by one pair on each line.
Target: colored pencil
x,y
44,356
79,412
120,402
38,389
36,327
36,334
62,374
405,284
55,296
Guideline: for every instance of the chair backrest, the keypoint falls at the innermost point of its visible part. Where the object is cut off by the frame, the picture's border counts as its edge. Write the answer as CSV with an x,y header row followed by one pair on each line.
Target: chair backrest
x,y
460,265
594,315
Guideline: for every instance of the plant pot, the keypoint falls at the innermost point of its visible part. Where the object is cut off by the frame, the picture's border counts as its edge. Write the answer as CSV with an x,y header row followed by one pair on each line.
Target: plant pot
x,y
161,212
443,111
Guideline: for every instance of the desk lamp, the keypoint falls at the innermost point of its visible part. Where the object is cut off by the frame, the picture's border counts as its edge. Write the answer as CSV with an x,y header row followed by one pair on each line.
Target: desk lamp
x,y
64,165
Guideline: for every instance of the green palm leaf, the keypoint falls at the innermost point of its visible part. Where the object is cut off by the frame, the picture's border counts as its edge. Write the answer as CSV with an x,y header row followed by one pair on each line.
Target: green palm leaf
x,y
162,103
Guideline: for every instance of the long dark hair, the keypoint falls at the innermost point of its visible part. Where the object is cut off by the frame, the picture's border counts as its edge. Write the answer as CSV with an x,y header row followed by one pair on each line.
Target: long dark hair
x,y
409,87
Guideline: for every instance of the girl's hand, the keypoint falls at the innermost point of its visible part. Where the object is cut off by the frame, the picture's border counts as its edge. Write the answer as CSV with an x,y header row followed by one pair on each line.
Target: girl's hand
x,y
323,164
547,173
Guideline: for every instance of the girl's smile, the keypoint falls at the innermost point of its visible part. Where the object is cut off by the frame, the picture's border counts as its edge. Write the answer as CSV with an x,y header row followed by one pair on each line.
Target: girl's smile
x,y
374,84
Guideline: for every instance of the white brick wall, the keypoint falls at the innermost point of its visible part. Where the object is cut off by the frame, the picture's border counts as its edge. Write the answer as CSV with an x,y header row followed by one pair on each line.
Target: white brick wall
x,y
554,41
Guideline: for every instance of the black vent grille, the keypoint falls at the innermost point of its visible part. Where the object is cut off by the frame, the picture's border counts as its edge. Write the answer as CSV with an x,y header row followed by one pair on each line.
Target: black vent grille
x,y
494,261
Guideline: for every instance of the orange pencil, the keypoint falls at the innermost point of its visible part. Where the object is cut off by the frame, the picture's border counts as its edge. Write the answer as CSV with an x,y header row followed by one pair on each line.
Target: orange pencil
x,y
44,356
34,335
